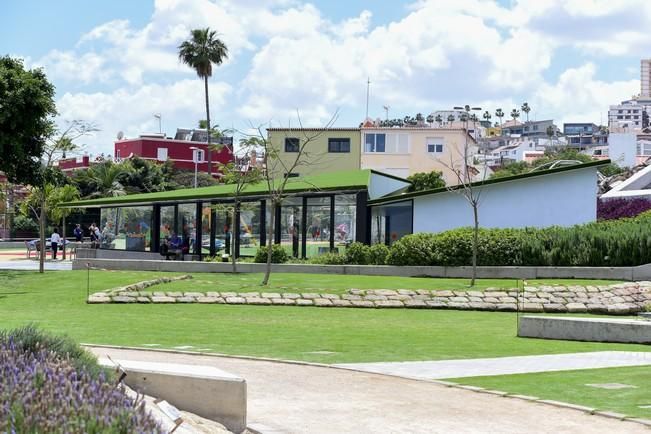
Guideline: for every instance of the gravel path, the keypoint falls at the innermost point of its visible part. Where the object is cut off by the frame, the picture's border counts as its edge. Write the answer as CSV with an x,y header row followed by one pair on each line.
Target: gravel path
x,y
505,365
293,398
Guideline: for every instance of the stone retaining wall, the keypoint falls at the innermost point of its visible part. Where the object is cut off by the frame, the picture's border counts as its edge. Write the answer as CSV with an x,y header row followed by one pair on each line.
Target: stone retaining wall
x,y
619,299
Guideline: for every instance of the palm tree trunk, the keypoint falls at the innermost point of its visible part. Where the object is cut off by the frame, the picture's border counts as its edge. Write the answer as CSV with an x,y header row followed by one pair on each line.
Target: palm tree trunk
x,y
205,85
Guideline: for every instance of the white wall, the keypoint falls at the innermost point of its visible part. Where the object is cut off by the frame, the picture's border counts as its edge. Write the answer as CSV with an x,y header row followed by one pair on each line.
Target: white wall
x,y
622,148
383,185
564,199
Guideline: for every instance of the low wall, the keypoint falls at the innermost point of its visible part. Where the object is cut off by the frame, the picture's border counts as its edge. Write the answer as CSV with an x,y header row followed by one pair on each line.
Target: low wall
x,y
586,329
145,261
11,244
203,390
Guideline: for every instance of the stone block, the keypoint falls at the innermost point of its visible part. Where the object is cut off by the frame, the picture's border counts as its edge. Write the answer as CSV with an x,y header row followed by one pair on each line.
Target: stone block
x,y
351,297
94,298
356,291
436,304
389,303
491,300
291,295
386,292
304,302
258,300
163,299
415,303
476,299
235,300
474,294
159,294
458,305
482,306
209,299
322,302
186,299
123,299
506,307
194,294
495,294
532,307
213,294
508,300
406,292
459,299
310,295
143,300
576,308
283,301
375,297
249,294
596,308
442,293
230,294
428,292
341,303
618,309
175,294
554,308
270,295
400,297
362,303
330,296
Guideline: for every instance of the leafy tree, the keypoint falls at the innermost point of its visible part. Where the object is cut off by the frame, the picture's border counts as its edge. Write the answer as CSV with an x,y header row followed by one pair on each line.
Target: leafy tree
x,y
439,120
185,179
487,116
526,109
200,52
499,113
26,108
146,176
515,114
101,180
426,180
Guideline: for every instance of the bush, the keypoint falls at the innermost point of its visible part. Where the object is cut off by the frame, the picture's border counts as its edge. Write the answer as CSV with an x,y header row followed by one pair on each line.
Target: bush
x,y
357,254
24,224
609,209
377,254
278,254
414,249
31,339
331,258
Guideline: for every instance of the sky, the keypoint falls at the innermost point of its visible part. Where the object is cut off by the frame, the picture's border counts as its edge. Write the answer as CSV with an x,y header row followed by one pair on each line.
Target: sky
x,y
290,63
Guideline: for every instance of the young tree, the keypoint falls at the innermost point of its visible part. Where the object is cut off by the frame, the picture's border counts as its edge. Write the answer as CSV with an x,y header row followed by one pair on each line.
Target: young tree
x,y
240,178
426,180
56,196
276,186
200,52
26,110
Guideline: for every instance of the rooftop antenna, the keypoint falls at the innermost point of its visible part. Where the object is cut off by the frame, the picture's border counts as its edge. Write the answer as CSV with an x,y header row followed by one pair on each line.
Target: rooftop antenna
x,y
386,111
368,86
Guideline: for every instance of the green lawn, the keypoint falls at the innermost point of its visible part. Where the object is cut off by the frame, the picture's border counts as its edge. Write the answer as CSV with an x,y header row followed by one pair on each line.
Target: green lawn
x,y
56,301
339,284
570,386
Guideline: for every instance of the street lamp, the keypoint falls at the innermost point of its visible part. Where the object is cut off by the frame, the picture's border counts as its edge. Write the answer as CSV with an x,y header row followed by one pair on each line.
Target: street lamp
x,y
160,126
197,157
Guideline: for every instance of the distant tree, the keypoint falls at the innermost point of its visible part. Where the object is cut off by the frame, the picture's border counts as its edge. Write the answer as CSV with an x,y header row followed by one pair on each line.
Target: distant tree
x,y
146,176
200,52
450,118
439,120
185,179
515,114
487,116
499,114
426,180
430,119
526,109
26,110
101,180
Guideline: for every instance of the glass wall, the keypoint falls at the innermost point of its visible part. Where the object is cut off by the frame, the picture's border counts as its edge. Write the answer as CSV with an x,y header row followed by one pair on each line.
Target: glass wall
x,y
249,228
345,221
206,216
167,222
108,225
290,225
187,215
391,222
223,235
318,226
127,228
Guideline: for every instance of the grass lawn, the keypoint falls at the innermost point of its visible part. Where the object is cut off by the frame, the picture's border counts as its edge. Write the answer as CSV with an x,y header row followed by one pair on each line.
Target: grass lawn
x,y
570,386
339,284
56,301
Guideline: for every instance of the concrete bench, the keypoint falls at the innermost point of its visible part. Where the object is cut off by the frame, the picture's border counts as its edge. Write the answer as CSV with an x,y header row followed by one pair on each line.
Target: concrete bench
x,y
586,329
203,390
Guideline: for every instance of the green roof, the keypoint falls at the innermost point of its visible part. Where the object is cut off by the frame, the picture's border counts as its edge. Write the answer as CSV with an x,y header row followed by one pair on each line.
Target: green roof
x,y
344,180
403,196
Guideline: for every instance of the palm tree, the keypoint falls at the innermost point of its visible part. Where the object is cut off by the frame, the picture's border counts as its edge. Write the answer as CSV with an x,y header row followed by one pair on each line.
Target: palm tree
x,y
550,133
430,119
104,179
487,116
526,109
200,52
515,114
499,114
450,118
439,120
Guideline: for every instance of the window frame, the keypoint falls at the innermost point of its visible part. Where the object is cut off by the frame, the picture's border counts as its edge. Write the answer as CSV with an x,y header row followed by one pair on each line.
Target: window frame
x,y
335,145
294,141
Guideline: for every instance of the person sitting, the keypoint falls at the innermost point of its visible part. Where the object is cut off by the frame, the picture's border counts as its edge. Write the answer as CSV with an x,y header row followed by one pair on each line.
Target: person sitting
x,y
165,249
176,246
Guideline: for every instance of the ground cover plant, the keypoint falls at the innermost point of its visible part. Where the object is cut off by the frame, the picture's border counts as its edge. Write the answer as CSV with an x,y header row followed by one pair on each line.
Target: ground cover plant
x,y
46,386
56,301
573,386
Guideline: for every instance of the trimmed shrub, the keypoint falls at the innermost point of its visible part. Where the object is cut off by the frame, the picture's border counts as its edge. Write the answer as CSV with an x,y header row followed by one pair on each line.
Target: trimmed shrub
x,y
414,249
278,254
377,254
609,209
331,258
357,254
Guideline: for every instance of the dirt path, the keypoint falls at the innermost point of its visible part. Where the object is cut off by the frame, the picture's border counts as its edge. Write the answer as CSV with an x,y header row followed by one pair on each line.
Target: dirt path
x,y
291,398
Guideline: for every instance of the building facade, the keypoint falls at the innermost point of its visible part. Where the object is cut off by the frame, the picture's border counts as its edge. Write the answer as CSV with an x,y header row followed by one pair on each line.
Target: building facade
x,y
326,150
530,129
181,151
405,151
584,135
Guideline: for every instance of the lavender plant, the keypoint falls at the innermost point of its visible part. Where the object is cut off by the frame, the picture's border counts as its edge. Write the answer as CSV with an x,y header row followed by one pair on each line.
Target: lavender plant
x,y
41,392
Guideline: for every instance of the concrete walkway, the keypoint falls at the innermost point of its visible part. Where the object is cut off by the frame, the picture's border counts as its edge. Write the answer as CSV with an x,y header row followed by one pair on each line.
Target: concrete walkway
x,y
293,398
505,365
31,264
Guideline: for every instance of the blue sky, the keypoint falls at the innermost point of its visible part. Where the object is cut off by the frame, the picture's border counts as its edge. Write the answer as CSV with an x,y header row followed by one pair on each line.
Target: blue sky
x,y
114,63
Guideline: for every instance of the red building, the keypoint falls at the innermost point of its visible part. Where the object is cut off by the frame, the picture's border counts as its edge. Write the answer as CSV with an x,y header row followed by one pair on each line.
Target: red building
x,y
69,165
179,150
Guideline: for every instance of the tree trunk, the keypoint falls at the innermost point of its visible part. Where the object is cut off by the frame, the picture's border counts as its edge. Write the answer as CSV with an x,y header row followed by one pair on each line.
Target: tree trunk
x,y
41,226
233,234
270,242
475,244
63,233
205,85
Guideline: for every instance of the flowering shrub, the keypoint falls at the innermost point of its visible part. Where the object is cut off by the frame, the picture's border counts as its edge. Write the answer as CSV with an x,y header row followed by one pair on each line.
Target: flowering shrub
x,y
40,391
609,209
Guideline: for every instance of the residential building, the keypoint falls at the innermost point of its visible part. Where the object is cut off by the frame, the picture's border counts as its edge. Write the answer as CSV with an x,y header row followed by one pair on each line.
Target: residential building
x,y
645,78
327,150
629,115
408,150
69,165
182,150
584,135
529,129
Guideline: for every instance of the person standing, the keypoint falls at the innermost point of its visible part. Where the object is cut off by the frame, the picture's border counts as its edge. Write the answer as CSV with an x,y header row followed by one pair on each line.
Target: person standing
x,y
79,233
55,239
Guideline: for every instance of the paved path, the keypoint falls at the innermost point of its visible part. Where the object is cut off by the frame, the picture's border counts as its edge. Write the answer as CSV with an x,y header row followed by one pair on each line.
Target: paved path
x,y
292,398
30,264
505,365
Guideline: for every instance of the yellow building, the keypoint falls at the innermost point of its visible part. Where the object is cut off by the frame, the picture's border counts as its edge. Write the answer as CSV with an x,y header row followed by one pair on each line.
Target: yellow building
x,y
326,150
408,150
